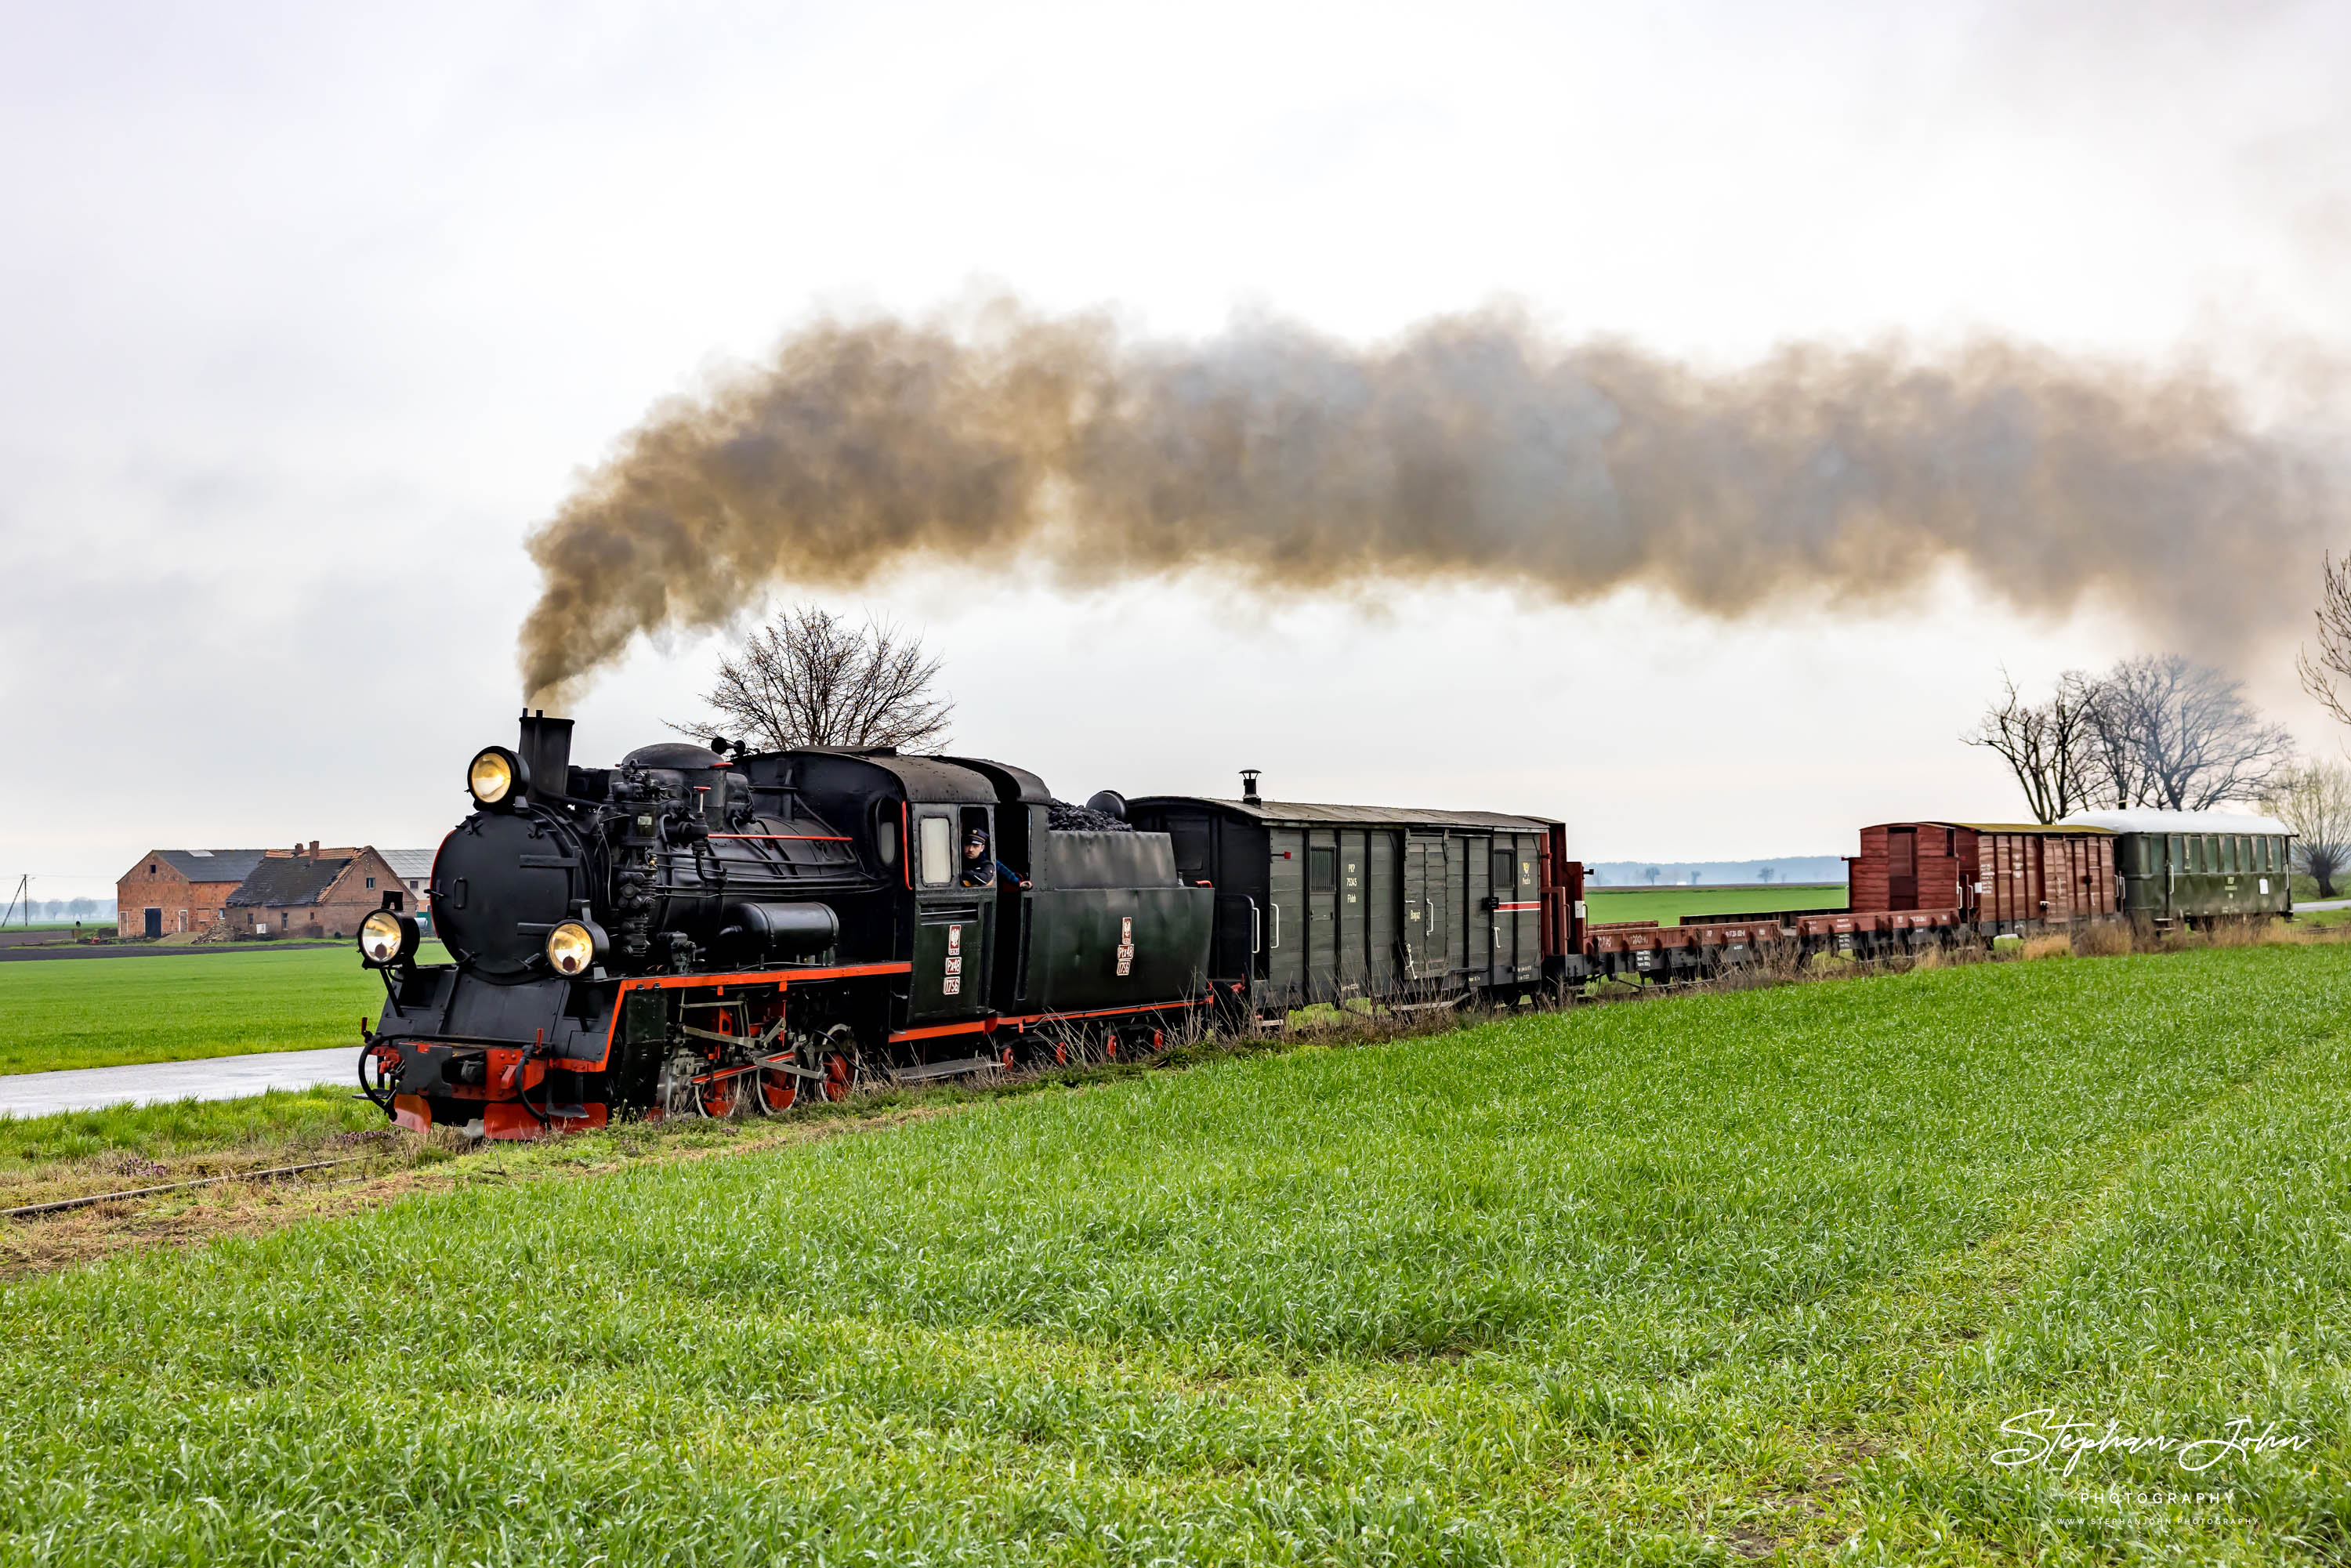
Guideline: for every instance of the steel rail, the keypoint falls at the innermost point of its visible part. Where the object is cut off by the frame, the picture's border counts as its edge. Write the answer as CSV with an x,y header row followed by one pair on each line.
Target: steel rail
x,y
29,1210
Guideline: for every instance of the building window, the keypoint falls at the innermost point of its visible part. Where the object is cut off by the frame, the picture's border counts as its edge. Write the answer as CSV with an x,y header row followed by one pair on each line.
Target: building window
x,y
371,881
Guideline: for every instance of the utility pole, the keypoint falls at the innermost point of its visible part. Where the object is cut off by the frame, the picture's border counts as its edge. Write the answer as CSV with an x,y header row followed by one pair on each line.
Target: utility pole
x,y
22,895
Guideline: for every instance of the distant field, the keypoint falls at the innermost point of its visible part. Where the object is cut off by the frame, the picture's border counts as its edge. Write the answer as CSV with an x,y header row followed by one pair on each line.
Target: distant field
x,y
103,1012
1667,905
1807,1271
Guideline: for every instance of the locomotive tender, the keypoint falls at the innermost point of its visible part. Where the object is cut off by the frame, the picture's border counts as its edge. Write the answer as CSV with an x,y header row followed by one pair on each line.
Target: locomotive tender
x,y
702,931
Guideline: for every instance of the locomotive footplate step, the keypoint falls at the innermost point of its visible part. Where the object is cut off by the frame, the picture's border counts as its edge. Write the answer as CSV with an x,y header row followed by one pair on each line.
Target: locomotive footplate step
x,y
929,1070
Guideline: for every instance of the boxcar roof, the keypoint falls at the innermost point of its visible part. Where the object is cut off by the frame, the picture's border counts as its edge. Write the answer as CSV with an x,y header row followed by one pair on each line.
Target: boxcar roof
x,y
1392,816
2144,822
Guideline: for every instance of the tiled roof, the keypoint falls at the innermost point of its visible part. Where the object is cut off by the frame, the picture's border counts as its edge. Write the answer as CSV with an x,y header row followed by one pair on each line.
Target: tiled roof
x,y
289,879
408,865
208,865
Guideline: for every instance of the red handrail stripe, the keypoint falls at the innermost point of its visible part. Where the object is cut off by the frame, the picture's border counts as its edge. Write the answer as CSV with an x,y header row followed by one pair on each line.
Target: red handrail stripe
x,y
795,837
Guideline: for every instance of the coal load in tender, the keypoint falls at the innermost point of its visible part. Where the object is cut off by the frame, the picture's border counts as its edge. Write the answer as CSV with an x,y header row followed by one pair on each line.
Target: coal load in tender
x,y
1064,818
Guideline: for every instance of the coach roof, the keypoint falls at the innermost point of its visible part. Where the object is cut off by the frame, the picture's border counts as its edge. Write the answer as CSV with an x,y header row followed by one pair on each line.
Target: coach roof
x,y
2144,822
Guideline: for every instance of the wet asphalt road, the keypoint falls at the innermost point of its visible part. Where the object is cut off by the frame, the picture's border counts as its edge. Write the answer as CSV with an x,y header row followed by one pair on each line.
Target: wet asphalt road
x,y
149,1083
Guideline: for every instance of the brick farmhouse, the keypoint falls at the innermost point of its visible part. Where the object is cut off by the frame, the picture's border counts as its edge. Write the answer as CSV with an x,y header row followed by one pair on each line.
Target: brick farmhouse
x,y
302,892
313,893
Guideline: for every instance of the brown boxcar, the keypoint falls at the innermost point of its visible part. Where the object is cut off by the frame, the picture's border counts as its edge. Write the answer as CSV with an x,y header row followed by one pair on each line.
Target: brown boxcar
x,y
1991,873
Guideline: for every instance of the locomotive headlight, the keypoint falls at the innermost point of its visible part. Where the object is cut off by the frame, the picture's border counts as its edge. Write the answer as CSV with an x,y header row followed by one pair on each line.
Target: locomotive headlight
x,y
574,945
495,776
386,938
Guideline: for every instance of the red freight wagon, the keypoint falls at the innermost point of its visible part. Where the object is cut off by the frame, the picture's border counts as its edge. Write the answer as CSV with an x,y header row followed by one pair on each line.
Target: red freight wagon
x,y
1997,873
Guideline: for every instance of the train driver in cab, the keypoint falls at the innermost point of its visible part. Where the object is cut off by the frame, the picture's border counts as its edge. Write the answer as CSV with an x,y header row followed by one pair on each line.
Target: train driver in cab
x,y
981,869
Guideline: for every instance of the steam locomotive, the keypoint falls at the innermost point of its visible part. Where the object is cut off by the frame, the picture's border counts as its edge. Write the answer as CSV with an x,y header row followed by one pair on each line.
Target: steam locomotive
x,y
704,931
698,933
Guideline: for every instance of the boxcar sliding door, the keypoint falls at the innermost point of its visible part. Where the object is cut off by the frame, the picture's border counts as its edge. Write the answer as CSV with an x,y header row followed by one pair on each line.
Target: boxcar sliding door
x,y
1424,905
1322,914
1285,914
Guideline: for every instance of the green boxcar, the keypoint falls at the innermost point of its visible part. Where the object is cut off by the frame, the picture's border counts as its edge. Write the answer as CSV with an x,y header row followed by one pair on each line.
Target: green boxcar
x,y
2198,865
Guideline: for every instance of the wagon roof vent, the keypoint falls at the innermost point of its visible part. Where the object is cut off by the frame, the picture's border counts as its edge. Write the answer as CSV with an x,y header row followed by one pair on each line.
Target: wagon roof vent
x,y
1249,786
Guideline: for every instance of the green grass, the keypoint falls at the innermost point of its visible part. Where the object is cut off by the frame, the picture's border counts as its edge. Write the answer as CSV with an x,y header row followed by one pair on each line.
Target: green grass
x,y
105,1013
1668,905
185,1126
1637,1282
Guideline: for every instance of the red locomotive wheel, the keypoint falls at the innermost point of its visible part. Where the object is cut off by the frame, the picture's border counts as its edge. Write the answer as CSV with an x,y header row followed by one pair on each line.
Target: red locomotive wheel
x,y
778,1090
837,1077
717,1099
1008,1062
1061,1053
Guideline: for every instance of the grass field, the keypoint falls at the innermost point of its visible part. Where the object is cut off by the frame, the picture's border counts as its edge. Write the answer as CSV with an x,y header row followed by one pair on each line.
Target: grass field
x,y
1667,905
1678,1281
103,1013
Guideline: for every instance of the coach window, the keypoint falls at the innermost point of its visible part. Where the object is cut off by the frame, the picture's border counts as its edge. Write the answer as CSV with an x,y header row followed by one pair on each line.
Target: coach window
x,y
1322,871
937,843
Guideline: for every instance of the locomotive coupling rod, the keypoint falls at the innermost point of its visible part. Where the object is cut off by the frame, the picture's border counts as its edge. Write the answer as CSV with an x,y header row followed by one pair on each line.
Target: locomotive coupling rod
x,y
779,1063
29,1210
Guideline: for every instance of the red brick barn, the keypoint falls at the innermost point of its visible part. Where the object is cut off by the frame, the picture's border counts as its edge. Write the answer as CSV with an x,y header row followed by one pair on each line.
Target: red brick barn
x,y
312,892
171,891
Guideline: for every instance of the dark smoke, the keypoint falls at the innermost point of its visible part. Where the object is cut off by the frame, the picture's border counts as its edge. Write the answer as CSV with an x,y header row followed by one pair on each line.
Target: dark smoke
x,y
1475,448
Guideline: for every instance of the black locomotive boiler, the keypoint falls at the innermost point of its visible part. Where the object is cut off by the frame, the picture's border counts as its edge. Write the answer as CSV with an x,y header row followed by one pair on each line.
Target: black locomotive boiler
x,y
692,932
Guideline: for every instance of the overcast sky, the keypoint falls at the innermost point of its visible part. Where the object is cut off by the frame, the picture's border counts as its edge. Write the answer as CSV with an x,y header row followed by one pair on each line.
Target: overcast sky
x,y
309,314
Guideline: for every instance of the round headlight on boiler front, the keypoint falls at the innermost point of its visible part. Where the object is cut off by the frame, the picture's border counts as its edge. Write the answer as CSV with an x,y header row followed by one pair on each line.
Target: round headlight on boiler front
x,y
386,938
496,777
573,948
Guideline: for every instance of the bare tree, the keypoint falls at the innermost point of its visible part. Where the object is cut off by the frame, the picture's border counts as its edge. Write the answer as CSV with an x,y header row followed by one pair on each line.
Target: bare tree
x,y
2181,736
2046,745
2314,800
809,678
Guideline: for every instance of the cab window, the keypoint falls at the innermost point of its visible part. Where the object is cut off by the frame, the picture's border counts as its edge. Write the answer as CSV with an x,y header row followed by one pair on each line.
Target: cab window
x,y
936,865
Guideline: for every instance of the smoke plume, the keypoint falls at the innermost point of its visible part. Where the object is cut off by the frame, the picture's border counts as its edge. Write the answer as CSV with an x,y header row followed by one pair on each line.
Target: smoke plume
x,y
1474,448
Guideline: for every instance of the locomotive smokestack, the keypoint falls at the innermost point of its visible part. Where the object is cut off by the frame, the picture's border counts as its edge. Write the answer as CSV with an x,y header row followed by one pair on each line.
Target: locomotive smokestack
x,y
1474,448
544,748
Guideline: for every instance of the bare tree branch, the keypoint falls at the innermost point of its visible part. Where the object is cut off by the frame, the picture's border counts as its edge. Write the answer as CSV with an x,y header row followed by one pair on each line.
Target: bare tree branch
x,y
2332,662
809,678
